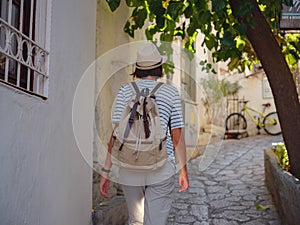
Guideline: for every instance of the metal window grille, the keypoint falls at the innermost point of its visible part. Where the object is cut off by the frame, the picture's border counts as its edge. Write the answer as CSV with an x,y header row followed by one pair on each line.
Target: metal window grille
x,y
23,57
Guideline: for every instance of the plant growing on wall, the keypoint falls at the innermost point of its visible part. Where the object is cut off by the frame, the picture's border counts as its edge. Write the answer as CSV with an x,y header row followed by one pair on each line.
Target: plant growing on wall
x,y
215,90
281,152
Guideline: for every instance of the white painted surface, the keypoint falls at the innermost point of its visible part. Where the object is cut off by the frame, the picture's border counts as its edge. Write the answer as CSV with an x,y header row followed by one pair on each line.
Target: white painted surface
x,y
253,91
44,178
254,88
191,124
109,77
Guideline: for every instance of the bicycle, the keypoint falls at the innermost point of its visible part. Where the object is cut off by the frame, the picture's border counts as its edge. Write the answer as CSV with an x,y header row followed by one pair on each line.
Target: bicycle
x,y
270,123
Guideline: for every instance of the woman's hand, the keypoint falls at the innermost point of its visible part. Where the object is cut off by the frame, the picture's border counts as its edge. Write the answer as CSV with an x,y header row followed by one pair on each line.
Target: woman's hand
x,y
104,183
183,180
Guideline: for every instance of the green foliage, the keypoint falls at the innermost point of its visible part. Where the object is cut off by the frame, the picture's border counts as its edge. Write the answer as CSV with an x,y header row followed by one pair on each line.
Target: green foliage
x,y
262,207
113,4
224,35
291,48
216,89
282,154
288,2
138,17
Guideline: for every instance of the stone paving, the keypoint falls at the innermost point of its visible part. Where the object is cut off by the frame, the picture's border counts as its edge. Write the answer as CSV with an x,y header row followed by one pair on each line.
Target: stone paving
x,y
227,185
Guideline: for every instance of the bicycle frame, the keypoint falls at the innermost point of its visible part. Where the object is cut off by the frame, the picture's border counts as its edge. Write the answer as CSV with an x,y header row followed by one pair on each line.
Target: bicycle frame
x,y
267,120
257,122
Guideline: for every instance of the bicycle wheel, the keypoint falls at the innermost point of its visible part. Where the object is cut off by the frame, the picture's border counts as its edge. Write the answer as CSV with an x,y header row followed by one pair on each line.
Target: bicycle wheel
x,y
236,121
271,124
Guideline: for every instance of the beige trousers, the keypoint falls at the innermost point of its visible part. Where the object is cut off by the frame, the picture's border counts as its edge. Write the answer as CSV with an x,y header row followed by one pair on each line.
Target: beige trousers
x,y
150,202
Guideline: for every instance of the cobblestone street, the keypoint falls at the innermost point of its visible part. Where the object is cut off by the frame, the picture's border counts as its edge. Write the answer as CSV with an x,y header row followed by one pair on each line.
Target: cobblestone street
x,y
227,185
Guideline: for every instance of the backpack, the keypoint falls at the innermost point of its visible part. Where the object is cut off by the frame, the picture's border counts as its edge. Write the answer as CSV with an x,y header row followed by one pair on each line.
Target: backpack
x,y
139,142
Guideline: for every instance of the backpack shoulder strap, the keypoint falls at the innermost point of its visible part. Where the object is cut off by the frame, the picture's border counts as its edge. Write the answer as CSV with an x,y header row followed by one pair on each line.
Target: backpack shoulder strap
x,y
156,88
135,90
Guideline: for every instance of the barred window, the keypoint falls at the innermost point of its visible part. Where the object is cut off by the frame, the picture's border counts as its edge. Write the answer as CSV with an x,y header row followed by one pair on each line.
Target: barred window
x,y
23,54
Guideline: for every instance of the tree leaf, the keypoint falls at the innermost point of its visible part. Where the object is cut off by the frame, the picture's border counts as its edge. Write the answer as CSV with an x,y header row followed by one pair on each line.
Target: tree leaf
x,y
262,208
105,203
218,5
113,4
134,3
228,39
160,20
288,2
290,58
210,42
174,9
150,31
204,18
139,15
244,9
188,12
158,10
179,32
166,37
128,30
233,63
241,28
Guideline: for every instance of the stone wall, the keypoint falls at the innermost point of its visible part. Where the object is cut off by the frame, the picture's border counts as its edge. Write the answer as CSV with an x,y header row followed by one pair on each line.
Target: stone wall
x,y
112,213
284,188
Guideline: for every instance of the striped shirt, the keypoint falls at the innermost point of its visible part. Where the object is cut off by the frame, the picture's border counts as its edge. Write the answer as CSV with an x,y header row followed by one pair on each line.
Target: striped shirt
x,y
169,106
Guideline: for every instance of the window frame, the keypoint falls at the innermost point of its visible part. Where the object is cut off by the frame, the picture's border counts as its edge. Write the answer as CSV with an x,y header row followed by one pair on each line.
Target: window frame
x,y
32,40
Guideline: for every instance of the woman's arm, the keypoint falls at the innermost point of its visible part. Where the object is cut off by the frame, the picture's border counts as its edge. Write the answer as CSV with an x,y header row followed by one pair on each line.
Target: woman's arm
x,y
108,163
180,151
104,182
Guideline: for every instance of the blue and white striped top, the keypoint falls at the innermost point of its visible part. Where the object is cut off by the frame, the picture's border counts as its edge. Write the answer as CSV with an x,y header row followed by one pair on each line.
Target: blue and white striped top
x,y
169,106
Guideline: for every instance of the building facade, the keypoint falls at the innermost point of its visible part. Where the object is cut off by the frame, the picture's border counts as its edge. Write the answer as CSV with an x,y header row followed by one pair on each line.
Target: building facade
x,y
45,47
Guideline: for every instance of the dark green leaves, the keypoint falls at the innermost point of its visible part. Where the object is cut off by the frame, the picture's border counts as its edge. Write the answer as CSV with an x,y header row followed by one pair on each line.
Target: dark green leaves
x,y
128,29
113,4
156,8
174,8
244,9
224,32
228,39
241,28
137,20
211,41
134,3
150,31
188,12
139,16
288,2
218,5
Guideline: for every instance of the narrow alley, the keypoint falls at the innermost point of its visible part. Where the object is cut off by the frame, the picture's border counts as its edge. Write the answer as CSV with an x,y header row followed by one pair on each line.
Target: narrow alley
x,y
231,189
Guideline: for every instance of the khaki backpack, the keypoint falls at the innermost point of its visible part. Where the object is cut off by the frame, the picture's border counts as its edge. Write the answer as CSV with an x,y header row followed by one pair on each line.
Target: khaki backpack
x,y
139,142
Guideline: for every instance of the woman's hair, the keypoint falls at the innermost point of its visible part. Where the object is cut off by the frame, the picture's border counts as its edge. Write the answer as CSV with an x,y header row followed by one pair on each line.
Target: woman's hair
x,y
156,72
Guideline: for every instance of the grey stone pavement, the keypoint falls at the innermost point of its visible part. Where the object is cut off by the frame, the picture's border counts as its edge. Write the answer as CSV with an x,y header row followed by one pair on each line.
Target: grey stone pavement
x,y
226,185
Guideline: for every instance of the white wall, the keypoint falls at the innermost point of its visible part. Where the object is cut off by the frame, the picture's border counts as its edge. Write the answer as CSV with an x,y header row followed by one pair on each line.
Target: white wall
x,y
110,36
253,91
44,178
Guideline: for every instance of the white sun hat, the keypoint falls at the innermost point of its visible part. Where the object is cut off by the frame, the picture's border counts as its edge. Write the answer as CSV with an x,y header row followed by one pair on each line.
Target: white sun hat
x,y
148,57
